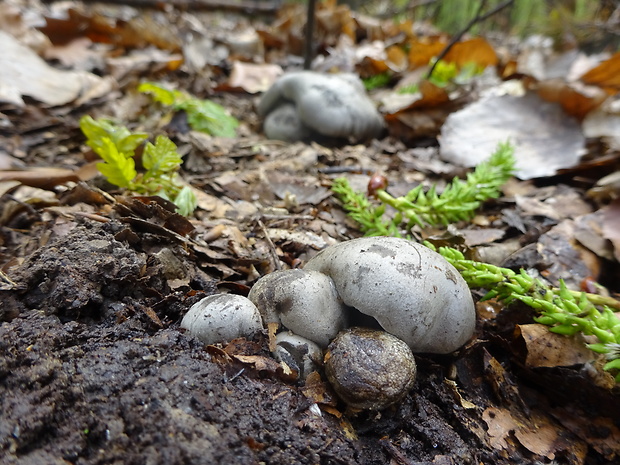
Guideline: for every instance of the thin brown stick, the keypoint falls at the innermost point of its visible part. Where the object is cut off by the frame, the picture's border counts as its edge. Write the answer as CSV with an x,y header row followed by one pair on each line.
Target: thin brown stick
x,y
476,19
196,5
309,45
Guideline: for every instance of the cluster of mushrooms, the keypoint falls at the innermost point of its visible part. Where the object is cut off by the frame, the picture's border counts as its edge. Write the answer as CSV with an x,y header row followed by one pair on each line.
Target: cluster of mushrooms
x,y
329,313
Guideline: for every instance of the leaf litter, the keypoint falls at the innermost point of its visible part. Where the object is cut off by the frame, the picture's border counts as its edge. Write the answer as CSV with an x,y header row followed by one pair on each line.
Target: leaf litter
x,y
95,282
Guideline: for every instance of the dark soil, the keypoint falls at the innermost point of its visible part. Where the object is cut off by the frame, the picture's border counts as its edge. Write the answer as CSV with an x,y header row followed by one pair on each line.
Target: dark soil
x,y
88,377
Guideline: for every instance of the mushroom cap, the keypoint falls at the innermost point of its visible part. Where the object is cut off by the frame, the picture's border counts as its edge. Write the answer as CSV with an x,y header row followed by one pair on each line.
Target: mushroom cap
x,y
333,105
283,123
412,292
299,353
306,302
369,369
222,317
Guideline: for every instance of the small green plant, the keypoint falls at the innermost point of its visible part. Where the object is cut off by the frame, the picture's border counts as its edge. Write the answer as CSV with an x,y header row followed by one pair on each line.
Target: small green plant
x,y
459,200
376,81
202,115
116,146
563,310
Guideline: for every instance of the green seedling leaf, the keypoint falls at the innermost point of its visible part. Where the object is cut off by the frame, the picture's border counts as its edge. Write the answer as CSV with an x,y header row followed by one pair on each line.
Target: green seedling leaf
x,y
376,81
186,201
125,141
161,157
118,168
162,95
209,117
116,146
202,115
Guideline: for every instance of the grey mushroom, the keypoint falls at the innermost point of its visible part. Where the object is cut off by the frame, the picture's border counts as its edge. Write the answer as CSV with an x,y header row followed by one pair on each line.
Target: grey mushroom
x,y
333,105
305,302
299,353
221,318
369,369
283,123
411,291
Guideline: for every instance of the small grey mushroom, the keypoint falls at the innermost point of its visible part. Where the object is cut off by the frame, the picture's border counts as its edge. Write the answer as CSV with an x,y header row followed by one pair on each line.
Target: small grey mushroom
x,y
305,302
412,292
369,369
333,105
299,353
283,123
222,317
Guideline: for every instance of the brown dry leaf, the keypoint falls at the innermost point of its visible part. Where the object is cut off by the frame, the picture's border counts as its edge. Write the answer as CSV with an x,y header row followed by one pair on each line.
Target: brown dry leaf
x,y
536,433
576,99
139,31
252,78
428,96
545,138
318,391
606,75
43,178
600,433
421,51
500,425
397,58
611,226
476,50
567,259
77,54
304,189
539,436
547,349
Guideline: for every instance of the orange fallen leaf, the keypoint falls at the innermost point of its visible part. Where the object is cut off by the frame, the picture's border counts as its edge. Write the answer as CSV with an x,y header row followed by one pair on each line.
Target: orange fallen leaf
x,y
476,50
606,75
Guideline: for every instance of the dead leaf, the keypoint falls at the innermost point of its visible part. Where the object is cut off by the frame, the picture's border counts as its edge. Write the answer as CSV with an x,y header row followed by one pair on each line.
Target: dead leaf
x,y
500,425
606,75
604,122
547,349
476,50
24,73
576,99
43,178
252,78
567,259
421,51
545,138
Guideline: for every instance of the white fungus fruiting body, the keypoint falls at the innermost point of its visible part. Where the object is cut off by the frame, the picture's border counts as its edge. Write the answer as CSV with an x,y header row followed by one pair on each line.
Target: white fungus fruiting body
x,y
305,302
333,105
412,292
369,369
299,353
222,318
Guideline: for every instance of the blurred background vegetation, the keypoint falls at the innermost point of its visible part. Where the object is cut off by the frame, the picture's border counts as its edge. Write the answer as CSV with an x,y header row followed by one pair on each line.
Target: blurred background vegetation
x,y
591,24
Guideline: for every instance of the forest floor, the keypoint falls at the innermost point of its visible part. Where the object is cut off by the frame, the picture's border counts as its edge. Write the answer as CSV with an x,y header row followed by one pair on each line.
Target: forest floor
x,y
94,367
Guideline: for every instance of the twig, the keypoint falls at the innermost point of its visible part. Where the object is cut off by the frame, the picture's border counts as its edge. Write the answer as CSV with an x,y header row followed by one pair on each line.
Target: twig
x,y
196,5
309,34
476,19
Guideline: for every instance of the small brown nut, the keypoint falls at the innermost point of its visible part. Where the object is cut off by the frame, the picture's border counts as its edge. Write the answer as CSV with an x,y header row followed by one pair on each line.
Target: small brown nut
x,y
369,369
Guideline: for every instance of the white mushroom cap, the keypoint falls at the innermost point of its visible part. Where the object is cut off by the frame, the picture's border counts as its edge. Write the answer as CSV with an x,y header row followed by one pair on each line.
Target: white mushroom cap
x,y
283,123
332,105
306,302
299,353
412,292
222,317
